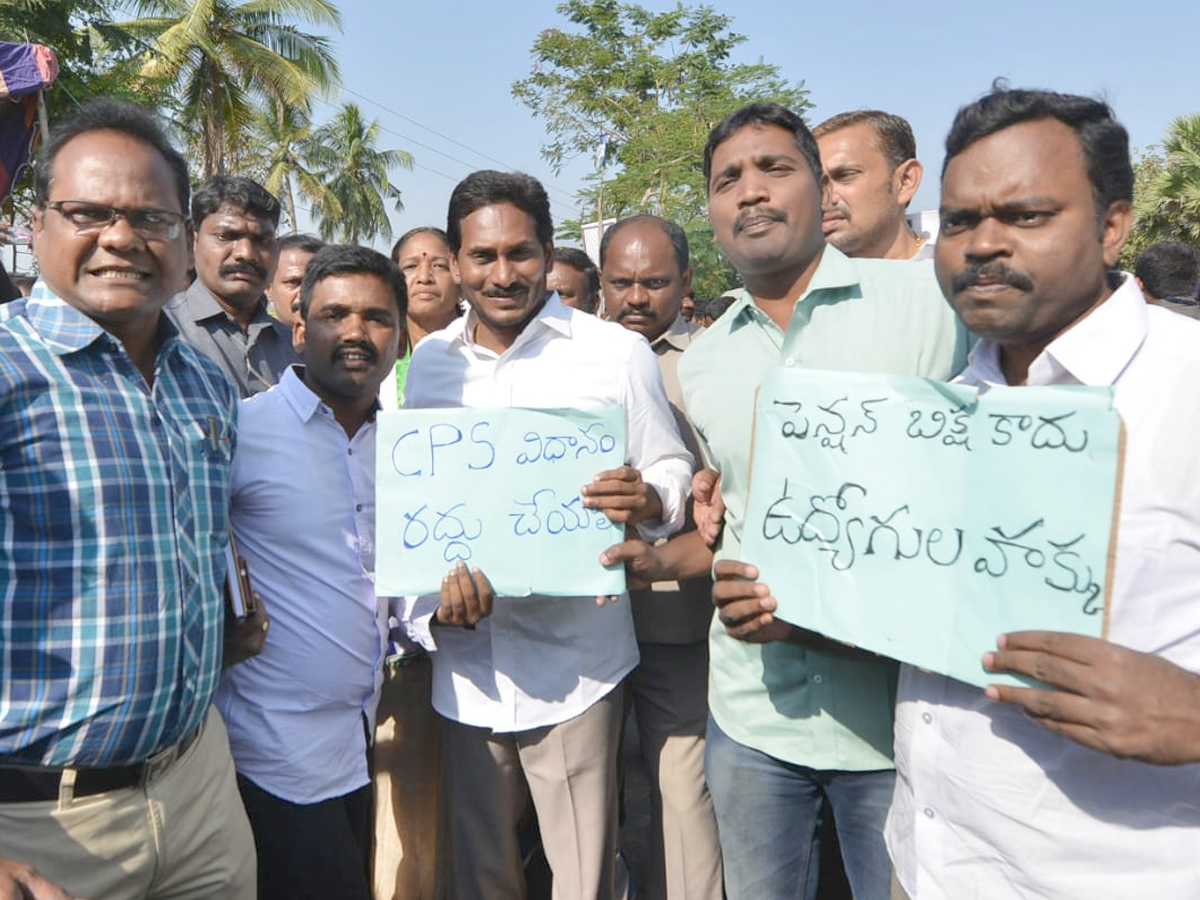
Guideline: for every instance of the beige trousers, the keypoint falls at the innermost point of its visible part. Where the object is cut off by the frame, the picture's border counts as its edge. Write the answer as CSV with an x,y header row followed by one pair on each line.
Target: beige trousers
x,y
408,776
669,689
184,836
570,772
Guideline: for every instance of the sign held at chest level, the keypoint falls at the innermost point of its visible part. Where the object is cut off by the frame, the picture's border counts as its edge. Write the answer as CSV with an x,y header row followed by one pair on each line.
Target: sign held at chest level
x,y
497,489
920,520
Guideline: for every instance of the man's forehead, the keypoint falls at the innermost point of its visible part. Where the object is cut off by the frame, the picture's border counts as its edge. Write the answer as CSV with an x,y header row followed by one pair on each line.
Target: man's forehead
x,y
758,139
564,271
642,239
499,223
1025,153
229,213
104,148
859,139
363,289
294,256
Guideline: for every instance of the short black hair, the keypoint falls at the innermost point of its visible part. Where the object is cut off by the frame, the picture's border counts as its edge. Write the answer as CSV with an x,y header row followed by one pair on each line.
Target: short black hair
x,y
334,260
674,233
765,112
295,240
244,193
713,307
412,233
1169,269
488,188
105,114
577,259
893,134
1105,141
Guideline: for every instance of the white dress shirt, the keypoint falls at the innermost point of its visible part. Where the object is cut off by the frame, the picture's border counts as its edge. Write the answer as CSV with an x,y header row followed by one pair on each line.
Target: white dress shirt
x,y
538,660
989,803
303,512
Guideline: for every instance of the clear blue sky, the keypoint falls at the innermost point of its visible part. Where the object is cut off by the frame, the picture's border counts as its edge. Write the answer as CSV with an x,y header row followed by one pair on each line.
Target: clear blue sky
x,y
437,77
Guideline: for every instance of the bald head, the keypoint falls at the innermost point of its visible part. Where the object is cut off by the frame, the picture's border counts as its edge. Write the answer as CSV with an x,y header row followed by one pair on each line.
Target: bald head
x,y
645,272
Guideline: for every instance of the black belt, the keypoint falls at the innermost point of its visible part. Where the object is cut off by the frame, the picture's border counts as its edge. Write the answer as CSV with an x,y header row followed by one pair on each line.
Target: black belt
x,y
30,784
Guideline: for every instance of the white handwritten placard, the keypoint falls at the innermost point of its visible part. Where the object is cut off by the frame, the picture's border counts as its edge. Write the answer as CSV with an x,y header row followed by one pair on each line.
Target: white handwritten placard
x,y
921,520
497,489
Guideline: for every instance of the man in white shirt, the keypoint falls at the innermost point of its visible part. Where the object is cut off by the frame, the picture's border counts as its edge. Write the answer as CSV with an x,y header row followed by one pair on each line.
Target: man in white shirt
x,y
1086,787
527,689
299,713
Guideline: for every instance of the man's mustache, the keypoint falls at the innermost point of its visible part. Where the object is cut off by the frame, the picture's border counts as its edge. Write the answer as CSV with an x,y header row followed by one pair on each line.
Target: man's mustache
x,y
993,272
365,349
644,311
758,212
245,267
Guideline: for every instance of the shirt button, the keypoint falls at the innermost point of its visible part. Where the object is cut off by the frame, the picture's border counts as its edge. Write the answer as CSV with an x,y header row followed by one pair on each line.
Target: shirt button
x,y
358,507
789,362
817,679
928,813
349,451
927,718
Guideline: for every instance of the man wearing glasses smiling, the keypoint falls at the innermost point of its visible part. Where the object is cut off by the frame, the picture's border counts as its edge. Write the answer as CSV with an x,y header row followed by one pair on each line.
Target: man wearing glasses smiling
x,y
116,437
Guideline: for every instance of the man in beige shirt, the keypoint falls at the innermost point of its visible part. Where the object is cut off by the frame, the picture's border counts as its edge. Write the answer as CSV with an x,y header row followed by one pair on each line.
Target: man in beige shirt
x,y
645,274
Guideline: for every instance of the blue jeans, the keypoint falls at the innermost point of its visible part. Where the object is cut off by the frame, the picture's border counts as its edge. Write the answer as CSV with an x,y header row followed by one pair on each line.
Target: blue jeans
x,y
768,818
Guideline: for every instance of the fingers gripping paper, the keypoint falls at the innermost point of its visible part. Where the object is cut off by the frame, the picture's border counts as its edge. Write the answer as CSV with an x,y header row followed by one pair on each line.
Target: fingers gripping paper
x,y
921,520
497,489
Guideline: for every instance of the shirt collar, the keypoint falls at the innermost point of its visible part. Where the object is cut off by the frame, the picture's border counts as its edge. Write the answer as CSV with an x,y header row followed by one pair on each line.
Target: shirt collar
x,y
679,334
202,304
299,396
553,316
1093,351
66,329
835,271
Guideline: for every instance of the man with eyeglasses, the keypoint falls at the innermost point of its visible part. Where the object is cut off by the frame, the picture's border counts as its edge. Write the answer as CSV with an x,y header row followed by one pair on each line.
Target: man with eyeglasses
x,y
224,312
116,437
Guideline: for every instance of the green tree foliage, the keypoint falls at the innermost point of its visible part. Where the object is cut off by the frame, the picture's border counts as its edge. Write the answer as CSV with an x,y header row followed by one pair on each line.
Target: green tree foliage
x,y
225,58
345,156
641,90
281,139
92,52
1166,194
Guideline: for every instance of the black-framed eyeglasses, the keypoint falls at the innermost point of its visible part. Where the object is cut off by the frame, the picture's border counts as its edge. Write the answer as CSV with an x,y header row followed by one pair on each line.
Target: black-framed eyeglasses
x,y
148,221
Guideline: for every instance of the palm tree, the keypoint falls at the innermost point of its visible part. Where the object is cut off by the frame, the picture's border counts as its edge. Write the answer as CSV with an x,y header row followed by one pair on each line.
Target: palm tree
x,y
283,137
356,172
1167,191
225,57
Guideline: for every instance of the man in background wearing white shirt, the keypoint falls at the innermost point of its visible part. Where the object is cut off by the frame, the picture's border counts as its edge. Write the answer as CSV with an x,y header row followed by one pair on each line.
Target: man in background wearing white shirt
x,y
528,690
1086,787
299,713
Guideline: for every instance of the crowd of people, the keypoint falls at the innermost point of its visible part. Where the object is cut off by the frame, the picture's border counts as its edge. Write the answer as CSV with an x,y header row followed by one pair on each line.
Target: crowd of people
x,y
186,396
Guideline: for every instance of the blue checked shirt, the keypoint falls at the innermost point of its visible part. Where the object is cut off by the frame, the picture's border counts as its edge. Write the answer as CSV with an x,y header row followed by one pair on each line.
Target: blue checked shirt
x,y
114,501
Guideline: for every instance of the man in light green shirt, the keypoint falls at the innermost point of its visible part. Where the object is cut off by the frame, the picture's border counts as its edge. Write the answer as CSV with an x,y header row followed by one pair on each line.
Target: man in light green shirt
x,y
799,724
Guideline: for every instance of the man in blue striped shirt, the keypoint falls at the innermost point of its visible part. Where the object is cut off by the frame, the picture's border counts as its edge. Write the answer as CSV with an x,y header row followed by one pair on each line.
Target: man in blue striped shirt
x,y
115,443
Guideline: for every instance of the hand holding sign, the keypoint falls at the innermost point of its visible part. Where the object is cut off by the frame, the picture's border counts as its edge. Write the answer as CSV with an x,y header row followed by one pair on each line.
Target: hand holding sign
x,y
622,496
745,606
1112,698
467,597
